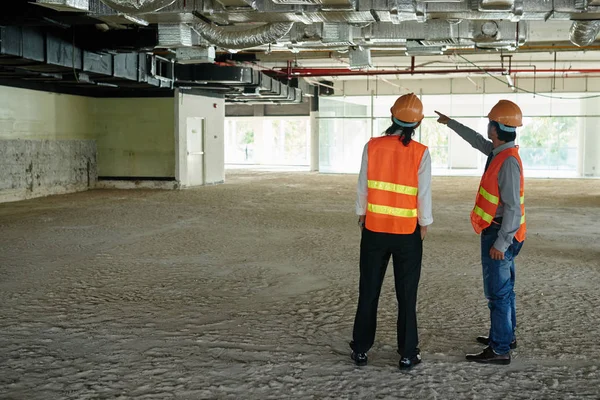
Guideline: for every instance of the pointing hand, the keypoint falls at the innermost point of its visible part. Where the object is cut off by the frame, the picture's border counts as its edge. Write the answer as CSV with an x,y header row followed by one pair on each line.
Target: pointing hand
x,y
443,119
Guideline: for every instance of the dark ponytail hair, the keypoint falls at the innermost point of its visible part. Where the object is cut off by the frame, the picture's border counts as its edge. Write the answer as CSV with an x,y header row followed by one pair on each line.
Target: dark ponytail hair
x,y
406,133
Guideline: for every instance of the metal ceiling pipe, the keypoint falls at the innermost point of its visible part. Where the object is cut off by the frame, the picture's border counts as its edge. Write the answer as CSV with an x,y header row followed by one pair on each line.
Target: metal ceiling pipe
x,y
225,37
583,33
138,6
315,72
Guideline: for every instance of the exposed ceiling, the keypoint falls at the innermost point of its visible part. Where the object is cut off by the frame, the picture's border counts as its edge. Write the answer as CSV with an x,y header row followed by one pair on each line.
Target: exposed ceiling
x,y
264,44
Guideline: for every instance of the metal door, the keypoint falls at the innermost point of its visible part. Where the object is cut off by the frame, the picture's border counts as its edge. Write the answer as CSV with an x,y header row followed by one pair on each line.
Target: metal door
x,y
195,151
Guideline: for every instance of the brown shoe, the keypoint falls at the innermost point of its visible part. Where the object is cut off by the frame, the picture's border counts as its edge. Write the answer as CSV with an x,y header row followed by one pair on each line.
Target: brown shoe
x,y
487,356
486,340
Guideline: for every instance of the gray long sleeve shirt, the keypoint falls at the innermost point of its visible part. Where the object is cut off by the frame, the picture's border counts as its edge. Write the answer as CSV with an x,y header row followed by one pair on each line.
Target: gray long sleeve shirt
x,y
509,183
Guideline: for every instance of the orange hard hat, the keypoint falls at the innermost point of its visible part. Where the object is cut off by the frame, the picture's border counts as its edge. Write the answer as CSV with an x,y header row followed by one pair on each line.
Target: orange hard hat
x,y
507,113
408,108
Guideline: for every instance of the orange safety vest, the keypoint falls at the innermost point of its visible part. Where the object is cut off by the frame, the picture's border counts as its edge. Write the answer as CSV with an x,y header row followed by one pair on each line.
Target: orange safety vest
x,y
393,181
488,196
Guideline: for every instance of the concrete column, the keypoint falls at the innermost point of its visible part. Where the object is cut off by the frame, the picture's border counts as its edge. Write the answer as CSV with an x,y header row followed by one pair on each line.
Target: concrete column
x,y
591,141
259,136
199,139
314,132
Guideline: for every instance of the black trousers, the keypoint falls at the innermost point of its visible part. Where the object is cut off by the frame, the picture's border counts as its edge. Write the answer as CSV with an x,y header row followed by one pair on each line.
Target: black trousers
x,y
375,251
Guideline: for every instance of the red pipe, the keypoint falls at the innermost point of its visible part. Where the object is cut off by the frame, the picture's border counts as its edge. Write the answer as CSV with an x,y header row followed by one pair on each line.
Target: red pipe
x,y
347,72
301,72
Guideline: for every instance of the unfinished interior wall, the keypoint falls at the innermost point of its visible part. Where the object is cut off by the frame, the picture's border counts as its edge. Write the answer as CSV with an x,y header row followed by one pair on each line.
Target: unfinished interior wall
x,y
200,141
135,137
46,144
34,168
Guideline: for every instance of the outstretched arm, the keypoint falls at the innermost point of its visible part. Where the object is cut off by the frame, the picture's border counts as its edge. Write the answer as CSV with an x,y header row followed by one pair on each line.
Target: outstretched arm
x,y
473,138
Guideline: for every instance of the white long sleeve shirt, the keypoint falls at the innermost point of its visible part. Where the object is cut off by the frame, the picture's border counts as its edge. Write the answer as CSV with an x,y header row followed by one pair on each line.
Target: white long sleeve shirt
x,y
424,212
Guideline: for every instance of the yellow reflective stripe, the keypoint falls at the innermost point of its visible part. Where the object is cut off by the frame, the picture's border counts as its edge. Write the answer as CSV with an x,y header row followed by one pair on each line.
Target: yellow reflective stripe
x,y
523,219
392,187
488,196
522,199
393,211
486,217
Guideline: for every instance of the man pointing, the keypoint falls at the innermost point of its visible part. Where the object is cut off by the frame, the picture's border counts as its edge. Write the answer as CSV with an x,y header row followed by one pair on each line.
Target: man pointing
x,y
499,216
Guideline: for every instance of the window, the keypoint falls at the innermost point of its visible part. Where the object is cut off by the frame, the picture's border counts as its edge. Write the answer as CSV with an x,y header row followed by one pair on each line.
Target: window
x,y
341,142
239,141
436,139
286,141
548,143
267,141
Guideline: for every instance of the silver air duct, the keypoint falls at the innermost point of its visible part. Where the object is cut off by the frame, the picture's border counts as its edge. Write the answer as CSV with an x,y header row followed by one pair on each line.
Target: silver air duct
x,y
228,38
65,5
583,33
138,6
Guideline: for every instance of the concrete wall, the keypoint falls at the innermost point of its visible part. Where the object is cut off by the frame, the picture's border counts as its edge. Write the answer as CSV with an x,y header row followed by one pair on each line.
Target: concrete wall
x,y
54,143
46,144
200,139
34,168
135,137
29,114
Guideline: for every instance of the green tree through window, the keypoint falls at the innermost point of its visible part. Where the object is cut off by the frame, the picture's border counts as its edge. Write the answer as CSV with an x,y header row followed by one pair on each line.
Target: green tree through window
x,y
549,143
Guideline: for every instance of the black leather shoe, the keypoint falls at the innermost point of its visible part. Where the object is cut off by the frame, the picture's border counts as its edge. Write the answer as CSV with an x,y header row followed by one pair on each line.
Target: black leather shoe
x,y
486,340
487,356
360,359
407,363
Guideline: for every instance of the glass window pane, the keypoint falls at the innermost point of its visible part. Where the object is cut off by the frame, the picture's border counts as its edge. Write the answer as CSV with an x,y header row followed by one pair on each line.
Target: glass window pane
x,y
549,143
239,141
433,136
341,142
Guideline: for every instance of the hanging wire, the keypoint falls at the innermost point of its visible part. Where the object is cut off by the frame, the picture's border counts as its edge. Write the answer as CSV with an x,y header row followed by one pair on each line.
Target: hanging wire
x,y
529,91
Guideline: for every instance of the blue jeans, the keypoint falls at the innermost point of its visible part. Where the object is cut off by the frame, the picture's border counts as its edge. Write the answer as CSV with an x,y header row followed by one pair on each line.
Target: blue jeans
x,y
498,287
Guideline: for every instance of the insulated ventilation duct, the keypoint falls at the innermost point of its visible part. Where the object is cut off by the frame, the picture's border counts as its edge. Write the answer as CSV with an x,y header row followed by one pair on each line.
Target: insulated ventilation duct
x,y
583,33
228,38
66,5
138,6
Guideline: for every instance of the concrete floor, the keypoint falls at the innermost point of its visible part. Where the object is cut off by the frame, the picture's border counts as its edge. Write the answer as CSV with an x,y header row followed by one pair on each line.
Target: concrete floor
x,y
248,290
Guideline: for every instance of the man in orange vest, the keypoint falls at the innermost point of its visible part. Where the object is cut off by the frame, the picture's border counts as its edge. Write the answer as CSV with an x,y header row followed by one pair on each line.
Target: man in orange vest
x,y
394,208
499,216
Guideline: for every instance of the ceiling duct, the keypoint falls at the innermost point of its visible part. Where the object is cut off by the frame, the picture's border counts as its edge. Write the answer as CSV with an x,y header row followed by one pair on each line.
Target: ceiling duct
x,y
337,35
138,6
584,33
301,33
174,35
414,48
496,5
360,58
297,2
66,5
229,38
195,55
235,4
495,35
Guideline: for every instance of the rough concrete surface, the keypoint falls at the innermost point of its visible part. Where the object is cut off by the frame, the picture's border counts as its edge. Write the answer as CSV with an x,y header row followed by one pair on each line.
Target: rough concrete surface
x,y
34,168
137,184
248,291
